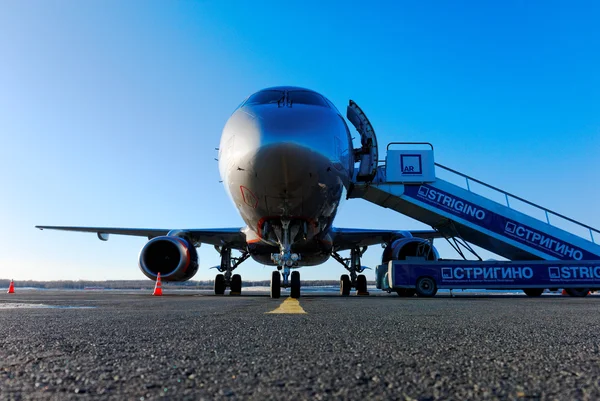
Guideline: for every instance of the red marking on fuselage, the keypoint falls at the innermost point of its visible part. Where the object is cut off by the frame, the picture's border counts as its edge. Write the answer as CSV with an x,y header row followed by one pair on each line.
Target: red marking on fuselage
x,y
249,198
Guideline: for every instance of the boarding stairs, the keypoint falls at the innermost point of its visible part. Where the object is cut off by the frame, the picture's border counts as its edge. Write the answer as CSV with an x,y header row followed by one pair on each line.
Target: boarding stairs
x,y
408,182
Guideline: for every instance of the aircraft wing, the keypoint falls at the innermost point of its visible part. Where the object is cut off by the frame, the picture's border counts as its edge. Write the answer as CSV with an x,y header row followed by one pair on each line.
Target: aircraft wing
x,y
233,237
347,238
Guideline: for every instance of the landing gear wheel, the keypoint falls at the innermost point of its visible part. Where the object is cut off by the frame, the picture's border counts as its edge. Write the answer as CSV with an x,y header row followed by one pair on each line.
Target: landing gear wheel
x,y
533,292
236,284
275,284
295,285
577,292
220,284
345,285
426,287
361,285
405,292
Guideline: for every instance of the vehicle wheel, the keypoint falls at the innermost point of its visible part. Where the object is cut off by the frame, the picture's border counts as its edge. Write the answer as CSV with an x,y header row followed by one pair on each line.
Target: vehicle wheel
x,y
236,284
295,285
220,284
533,292
275,284
345,285
426,287
406,292
577,292
361,285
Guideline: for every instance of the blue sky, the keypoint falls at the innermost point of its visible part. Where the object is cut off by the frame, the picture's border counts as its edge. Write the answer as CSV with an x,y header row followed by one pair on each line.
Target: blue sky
x,y
110,111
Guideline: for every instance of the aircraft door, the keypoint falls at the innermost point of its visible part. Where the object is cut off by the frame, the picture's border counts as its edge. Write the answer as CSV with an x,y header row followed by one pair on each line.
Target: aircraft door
x,y
368,153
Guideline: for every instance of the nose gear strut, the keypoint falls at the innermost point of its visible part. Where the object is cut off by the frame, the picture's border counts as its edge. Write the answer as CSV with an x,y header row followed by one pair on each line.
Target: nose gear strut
x,y
285,260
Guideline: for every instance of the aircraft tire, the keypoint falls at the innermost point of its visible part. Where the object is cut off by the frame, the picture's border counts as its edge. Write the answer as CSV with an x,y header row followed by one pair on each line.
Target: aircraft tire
x,y
361,285
533,292
345,285
275,284
577,292
219,284
406,292
236,284
295,285
426,287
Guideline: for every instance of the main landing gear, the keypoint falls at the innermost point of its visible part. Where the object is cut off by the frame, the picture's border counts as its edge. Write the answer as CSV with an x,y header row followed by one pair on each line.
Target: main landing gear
x,y
354,280
226,278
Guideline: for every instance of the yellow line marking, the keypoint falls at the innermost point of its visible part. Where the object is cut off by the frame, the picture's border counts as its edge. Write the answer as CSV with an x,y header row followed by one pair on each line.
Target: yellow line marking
x,y
290,305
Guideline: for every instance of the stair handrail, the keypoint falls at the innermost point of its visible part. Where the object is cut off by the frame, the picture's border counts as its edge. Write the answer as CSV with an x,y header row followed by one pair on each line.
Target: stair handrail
x,y
507,194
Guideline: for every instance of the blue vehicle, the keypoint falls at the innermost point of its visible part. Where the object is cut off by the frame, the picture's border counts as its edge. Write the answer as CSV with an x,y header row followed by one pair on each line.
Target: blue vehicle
x,y
424,278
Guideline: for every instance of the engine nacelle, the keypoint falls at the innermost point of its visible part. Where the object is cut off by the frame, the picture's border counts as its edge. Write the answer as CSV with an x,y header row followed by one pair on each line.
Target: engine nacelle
x,y
405,248
173,257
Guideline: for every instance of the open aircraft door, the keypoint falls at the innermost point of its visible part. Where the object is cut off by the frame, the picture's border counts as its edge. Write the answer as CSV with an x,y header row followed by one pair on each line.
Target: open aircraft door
x,y
368,153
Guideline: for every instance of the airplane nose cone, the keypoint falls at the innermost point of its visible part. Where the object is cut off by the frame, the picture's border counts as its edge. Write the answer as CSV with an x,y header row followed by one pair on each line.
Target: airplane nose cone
x,y
287,160
288,164
297,143
300,133
293,179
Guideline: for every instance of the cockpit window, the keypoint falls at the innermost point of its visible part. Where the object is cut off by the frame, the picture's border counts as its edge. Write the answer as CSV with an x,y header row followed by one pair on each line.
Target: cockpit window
x,y
306,97
266,97
332,105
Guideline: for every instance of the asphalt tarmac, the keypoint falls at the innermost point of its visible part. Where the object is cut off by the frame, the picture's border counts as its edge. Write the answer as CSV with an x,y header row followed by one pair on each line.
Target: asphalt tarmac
x,y
189,345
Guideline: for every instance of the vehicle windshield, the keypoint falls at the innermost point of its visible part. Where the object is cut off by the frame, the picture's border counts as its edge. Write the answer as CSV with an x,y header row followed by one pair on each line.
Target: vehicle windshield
x,y
306,97
265,97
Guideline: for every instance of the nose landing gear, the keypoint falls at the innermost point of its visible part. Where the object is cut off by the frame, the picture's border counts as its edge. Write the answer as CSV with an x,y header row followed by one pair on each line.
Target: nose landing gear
x,y
275,284
293,284
285,260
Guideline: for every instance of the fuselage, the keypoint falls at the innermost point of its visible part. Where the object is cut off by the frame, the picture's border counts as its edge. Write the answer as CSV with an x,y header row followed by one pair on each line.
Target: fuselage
x,y
286,156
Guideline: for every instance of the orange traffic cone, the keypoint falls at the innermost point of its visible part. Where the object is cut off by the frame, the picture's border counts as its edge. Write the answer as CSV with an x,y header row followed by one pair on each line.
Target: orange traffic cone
x,y
157,287
11,287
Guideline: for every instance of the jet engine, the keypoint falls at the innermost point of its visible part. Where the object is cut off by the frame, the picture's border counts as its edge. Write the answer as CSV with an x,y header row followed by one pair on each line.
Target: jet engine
x,y
173,257
405,248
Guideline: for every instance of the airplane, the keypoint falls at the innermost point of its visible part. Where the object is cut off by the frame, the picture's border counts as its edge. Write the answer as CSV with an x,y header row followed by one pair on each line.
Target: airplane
x,y
286,159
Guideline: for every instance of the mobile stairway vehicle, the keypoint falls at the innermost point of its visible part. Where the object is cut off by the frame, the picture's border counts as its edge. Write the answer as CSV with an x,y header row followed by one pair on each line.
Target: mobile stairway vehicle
x,y
541,254
424,278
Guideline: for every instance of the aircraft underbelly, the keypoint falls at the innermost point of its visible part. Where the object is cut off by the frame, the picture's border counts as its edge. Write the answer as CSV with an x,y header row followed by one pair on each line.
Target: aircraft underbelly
x,y
313,251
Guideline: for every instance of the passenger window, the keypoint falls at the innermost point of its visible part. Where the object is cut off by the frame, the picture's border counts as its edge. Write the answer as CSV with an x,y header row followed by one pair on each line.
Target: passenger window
x,y
306,97
265,97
